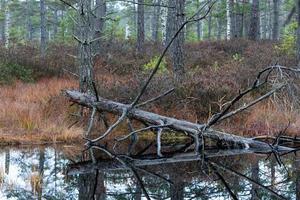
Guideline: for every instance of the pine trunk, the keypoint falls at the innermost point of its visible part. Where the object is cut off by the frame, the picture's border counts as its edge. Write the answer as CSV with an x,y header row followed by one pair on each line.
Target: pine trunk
x,y
43,28
275,20
140,27
254,22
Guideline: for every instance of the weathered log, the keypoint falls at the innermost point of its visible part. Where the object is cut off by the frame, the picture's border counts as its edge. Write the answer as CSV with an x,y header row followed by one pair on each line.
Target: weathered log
x,y
151,118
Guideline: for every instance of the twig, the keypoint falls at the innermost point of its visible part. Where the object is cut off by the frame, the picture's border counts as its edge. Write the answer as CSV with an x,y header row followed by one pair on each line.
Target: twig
x,y
155,99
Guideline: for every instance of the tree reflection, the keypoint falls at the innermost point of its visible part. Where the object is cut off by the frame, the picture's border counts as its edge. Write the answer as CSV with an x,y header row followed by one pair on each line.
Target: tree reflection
x,y
195,178
255,176
183,177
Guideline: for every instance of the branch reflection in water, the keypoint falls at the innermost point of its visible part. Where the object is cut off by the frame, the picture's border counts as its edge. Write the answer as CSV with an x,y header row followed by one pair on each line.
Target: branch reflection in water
x,y
68,173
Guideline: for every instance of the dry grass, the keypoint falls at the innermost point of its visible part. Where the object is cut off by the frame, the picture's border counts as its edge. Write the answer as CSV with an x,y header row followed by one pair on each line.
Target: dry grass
x,y
269,119
36,112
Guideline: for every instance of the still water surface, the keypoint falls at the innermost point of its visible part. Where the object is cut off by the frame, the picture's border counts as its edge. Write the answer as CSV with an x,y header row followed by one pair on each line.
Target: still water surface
x,y
42,173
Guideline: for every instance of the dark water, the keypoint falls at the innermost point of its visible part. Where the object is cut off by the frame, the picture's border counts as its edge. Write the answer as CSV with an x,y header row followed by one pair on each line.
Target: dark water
x,y
41,173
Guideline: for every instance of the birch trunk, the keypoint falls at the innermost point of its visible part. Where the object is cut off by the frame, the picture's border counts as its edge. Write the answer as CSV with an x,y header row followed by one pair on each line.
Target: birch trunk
x,y
6,23
155,21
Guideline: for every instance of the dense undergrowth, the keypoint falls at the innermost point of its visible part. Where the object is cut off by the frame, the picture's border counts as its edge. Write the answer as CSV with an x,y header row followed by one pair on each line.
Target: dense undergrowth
x,y
32,104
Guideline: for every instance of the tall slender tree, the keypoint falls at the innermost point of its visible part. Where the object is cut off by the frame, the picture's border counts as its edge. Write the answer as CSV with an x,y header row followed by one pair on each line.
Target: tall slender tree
x,y
177,46
170,21
254,22
29,25
99,22
6,23
230,19
140,26
155,20
43,28
275,30
298,30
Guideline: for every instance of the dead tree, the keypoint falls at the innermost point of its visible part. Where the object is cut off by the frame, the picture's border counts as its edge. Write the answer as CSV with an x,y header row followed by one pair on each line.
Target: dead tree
x,y
158,122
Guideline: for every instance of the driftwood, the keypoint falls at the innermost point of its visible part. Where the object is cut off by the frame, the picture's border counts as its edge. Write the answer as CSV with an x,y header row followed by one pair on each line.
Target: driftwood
x,y
192,129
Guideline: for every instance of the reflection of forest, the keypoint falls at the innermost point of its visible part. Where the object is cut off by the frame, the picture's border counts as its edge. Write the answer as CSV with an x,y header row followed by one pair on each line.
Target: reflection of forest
x,y
189,180
35,174
39,174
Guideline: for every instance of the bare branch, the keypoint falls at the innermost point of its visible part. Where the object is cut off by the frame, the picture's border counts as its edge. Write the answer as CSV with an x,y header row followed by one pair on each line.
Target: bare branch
x,y
91,122
241,109
111,128
158,140
68,4
142,130
156,98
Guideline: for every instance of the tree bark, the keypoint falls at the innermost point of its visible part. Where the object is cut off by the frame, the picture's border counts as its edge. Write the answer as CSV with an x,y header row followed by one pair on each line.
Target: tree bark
x,y
29,25
177,47
155,21
140,27
99,23
7,161
209,26
6,23
255,177
275,31
55,23
43,22
264,22
298,30
230,19
254,22
177,189
199,23
85,33
41,173
86,186
170,21
239,20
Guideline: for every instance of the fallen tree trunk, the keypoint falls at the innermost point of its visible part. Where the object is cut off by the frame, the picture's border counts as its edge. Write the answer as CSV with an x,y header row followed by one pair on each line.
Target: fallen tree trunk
x,y
190,128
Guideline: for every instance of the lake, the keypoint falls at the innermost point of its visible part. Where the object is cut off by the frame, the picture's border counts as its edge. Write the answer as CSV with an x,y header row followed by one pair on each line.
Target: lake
x,y
66,172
